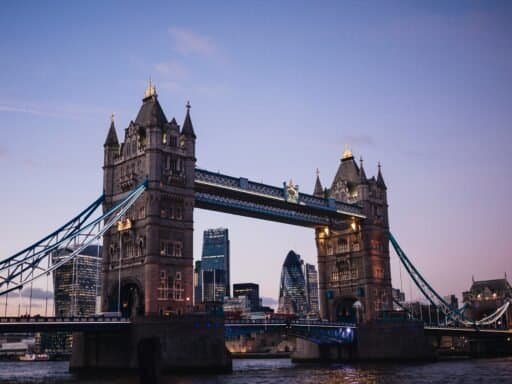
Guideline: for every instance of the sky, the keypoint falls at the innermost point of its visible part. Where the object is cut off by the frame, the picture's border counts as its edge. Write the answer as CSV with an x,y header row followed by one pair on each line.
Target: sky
x,y
277,90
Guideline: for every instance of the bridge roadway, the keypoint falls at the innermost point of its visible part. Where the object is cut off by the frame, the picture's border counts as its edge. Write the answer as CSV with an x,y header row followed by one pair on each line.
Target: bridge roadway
x,y
240,196
112,323
62,324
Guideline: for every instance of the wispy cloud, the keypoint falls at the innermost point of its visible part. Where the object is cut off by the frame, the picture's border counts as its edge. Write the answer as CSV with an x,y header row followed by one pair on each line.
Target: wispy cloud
x,y
37,293
358,140
56,109
188,42
172,69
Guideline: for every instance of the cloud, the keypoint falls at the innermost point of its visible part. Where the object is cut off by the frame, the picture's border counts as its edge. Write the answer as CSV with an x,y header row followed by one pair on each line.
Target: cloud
x,y
57,109
269,301
187,42
37,293
358,140
172,69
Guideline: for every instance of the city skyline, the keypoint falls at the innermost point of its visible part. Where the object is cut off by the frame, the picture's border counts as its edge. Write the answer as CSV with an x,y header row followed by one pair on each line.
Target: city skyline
x,y
425,89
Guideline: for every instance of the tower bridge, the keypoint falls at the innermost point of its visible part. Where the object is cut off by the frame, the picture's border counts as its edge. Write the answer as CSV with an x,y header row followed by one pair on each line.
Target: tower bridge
x,y
151,186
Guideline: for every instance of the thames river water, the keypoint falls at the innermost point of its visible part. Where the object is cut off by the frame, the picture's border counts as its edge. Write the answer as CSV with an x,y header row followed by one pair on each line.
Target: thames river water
x,y
278,371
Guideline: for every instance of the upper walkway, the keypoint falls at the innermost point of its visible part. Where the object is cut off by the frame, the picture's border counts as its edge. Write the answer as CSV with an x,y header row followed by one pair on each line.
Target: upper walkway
x,y
240,196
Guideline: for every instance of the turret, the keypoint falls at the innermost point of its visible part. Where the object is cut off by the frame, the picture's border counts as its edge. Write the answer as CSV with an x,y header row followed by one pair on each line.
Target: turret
x,y
111,151
187,133
319,190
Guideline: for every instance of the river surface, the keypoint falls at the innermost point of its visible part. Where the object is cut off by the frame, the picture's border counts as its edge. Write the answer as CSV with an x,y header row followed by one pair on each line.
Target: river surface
x,y
278,371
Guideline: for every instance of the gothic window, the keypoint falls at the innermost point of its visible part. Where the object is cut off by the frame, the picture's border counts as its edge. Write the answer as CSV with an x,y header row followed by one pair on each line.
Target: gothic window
x,y
174,141
134,147
163,212
342,245
164,138
330,250
355,246
179,214
174,164
177,249
142,212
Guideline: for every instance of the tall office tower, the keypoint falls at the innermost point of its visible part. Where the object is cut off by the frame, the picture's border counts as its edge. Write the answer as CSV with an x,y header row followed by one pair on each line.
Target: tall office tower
x,y
76,284
292,289
197,283
215,265
249,290
311,277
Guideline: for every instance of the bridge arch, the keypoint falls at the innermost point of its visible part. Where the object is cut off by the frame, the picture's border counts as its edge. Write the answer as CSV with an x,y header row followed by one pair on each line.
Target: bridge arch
x,y
131,297
346,309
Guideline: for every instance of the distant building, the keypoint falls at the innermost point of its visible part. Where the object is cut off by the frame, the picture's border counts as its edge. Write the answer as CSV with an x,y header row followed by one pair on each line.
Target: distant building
x,y
452,301
485,296
76,283
251,291
236,307
292,289
398,299
198,286
311,282
215,282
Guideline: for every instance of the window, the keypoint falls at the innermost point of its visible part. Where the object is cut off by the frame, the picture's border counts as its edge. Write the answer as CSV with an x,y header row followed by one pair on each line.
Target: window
x,y
177,249
178,275
179,215
342,245
174,141
164,138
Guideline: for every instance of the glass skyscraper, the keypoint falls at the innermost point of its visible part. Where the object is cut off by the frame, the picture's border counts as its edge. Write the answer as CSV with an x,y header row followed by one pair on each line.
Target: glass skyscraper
x,y
292,289
214,277
76,283
311,277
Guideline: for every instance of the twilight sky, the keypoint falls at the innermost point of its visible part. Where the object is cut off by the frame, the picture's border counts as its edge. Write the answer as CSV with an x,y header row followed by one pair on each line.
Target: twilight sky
x,y
277,89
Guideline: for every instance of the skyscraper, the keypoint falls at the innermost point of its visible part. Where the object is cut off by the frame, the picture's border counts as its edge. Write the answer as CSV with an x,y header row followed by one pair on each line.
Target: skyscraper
x,y
249,290
311,277
76,283
214,279
292,289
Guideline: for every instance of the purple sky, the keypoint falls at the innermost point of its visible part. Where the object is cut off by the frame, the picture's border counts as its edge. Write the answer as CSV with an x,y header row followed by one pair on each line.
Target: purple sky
x,y
276,89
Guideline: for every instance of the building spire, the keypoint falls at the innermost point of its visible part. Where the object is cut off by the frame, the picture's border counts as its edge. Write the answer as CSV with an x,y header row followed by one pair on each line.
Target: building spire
x,y
150,89
347,153
188,129
319,191
380,179
362,173
111,140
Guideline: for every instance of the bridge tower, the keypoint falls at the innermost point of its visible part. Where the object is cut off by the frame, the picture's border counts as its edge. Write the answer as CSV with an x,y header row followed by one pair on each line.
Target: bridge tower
x,y
147,258
353,258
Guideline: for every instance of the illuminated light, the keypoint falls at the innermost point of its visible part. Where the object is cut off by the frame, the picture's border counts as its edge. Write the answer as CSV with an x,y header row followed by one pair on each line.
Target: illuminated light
x,y
124,225
353,225
347,153
188,298
326,231
349,330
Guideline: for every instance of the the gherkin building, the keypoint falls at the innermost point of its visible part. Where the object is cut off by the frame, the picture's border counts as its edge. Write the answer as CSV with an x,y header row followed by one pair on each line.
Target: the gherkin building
x,y
292,289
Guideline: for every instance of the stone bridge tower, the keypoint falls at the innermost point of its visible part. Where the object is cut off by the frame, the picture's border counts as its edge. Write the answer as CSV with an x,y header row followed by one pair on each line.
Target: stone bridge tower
x,y
353,259
147,258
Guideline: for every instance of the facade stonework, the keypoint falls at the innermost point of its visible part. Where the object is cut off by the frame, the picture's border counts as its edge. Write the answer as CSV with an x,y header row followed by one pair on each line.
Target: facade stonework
x,y
353,257
149,254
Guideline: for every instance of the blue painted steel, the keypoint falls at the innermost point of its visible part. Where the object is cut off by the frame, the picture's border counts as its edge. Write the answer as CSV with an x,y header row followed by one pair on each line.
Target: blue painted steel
x,y
28,261
243,185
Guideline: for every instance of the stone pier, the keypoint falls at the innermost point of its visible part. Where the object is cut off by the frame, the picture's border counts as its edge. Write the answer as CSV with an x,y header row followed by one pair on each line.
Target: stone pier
x,y
193,343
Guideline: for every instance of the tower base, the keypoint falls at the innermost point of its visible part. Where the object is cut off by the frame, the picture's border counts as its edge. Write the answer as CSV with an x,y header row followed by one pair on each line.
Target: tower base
x,y
156,345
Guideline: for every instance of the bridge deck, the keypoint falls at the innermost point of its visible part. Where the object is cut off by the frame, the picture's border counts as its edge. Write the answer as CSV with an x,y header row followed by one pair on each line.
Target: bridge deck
x,y
61,324
218,192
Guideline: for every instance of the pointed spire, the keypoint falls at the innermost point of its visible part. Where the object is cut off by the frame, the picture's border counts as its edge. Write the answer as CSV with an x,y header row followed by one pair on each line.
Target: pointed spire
x,y
150,89
111,140
188,129
380,179
362,173
319,190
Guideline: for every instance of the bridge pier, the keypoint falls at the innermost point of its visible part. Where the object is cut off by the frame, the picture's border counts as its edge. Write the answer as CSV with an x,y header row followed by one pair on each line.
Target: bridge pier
x,y
191,343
